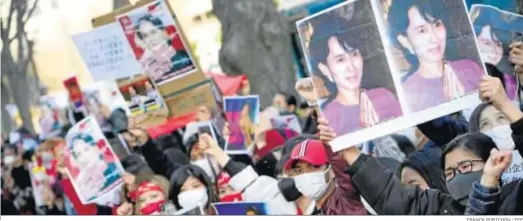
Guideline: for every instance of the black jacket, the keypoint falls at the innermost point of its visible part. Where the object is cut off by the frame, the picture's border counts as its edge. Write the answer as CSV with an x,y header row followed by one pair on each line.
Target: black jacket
x,y
157,160
388,196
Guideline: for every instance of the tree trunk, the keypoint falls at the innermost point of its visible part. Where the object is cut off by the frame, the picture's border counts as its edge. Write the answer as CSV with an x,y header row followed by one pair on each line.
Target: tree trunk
x,y
6,119
256,42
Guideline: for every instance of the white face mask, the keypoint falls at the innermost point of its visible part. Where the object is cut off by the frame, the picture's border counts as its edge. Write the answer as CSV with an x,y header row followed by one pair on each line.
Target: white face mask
x,y
312,185
9,160
502,136
193,198
209,169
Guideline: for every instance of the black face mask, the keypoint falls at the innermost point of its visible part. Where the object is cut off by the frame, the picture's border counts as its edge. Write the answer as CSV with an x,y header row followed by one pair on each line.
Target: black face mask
x,y
459,187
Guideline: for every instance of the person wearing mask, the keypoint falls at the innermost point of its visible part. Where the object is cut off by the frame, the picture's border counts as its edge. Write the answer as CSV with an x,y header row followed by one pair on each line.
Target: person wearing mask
x,y
463,160
286,104
423,169
191,188
225,191
498,120
150,195
421,29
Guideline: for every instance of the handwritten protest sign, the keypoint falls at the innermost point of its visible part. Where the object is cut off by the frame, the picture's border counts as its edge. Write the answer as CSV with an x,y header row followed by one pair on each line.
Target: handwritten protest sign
x,y
242,114
152,33
241,208
92,166
287,121
106,53
376,87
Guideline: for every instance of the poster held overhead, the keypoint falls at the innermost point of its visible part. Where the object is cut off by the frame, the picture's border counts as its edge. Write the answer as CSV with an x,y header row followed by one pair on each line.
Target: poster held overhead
x,y
241,208
242,113
153,35
495,31
287,121
107,53
375,67
92,166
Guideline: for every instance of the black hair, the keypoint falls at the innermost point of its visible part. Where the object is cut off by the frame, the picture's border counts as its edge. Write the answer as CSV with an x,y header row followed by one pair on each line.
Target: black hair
x,y
427,163
404,144
181,175
252,209
398,21
157,22
475,117
281,163
482,18
478,144
357,31
175,155
289,99
493,71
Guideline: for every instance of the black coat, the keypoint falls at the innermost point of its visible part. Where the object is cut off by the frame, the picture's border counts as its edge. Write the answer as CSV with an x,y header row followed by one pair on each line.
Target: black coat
x,y
388,196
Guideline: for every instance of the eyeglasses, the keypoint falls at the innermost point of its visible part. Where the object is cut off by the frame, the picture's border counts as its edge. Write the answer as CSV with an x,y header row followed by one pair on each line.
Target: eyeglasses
x,y
463,167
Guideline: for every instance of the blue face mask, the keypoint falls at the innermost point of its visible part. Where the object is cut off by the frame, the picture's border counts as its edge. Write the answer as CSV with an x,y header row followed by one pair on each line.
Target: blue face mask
x,y
29,144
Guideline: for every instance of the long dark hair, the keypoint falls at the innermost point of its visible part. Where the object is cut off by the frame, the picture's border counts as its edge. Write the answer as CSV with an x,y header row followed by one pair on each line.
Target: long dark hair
x,y
181,175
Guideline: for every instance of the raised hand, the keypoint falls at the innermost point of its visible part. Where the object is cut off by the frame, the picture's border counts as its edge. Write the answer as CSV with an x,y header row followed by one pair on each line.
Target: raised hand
x,y
327,134
516,53
492,90
305,89
496,164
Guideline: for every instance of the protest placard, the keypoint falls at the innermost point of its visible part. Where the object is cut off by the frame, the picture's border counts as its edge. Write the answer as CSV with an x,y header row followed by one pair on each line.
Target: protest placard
x,y
38,177
374,64
287,121
49,121
241,208
242,113
495,31
107,53
153,35
75,93
198,211
92,166
141,95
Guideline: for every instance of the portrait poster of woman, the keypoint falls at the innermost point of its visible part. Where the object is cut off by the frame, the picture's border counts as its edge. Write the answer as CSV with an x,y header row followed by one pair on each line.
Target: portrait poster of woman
x,y
242,113
344,49
140,94
495,30
156,42
241,208
92,165
434,50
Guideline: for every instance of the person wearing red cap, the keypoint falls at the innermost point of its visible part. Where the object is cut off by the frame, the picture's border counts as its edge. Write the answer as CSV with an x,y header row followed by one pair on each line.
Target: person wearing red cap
x,y
310,166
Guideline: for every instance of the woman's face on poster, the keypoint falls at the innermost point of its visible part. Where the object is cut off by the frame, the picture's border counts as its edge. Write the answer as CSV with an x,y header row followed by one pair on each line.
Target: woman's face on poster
x,y
84,152
491,48
132,92
148,86
203,114
345,64
152,36
426,36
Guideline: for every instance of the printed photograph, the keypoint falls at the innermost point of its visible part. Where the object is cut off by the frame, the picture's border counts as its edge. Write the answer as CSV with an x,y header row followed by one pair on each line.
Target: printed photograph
x,y
434,49
93,167
344,49
140,94
242,115
241,208
495,31
156,42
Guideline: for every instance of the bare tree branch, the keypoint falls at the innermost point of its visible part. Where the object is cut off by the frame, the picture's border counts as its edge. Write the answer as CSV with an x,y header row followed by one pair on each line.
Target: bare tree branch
x,y
10,17
30,12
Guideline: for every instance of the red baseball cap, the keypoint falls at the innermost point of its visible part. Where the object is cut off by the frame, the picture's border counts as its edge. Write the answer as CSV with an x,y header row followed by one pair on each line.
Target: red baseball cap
x,y
309,151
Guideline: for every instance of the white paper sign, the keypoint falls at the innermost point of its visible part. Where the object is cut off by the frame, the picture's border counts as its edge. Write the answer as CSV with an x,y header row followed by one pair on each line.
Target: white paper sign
x,y
107,53
287,121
